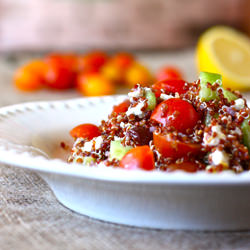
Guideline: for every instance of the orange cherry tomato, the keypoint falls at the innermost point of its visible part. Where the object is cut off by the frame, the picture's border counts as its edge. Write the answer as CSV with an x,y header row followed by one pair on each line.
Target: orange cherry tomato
x,y
138,73
168,72
123,59
177,113
174,148
140,157
122,107
94,85
93,60
86,130
61,72
31,76
113,72
169,86
187,166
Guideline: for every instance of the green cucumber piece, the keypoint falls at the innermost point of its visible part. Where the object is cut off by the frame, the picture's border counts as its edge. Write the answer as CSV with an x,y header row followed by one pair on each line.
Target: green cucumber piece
x,y
229,95
151,99
117,150
245,128
207,94
88,160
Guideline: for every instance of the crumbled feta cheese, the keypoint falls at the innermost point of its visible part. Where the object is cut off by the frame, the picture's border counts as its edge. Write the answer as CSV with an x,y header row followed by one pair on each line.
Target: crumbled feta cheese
x,y
98,142
165,97
219,157
137,110
237,130
122,125
147,89
119,118
213,141
87,146
136,93
239,104
177,95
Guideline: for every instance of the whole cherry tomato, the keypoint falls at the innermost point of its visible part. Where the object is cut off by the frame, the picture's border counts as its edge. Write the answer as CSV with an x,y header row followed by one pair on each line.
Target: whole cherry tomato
x,y
170,86
94,84
123,59
93,60
186,166
138,73
113,72
86,130
177,113
140,157
168,72
67,60
30,77
61,71
174,148
122,107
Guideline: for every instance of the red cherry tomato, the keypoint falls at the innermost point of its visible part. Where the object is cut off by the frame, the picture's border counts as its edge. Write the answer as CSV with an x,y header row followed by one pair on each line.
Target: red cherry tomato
x,y
173,148
187,166
177,113
60,72
93,61
138,158
68,61
87,130
123,59
122,107
168,73
170,86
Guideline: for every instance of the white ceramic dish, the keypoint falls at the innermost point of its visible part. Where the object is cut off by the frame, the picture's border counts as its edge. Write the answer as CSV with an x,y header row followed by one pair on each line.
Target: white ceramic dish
x,y
30,136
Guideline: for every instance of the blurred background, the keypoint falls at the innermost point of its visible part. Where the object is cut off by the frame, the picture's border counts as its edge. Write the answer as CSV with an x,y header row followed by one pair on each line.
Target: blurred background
x,y
155,32
45,25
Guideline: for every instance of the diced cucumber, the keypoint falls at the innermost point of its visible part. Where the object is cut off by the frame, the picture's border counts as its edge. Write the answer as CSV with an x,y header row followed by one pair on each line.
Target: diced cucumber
x,y
117,150
245,128
207,94
229,95
88,160
151,99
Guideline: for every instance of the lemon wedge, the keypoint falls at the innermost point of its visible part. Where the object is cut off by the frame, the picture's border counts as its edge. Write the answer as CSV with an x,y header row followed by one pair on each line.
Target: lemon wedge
x,y
227,52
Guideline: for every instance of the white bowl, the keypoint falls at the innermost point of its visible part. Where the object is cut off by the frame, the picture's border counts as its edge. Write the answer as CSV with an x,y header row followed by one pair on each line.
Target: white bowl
x,y
30,136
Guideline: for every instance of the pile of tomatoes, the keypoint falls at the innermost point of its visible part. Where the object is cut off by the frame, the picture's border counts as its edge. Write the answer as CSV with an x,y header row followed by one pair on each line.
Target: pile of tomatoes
x,y
92,74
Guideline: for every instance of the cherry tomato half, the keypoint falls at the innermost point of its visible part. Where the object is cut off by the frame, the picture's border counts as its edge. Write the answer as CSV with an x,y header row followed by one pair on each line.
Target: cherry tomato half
x,y
170,86
169,73
177,113
140,157
122,107
87,130
173,148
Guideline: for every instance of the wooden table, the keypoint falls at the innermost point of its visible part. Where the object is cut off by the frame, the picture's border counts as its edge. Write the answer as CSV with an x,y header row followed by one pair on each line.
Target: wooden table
x,y
32,218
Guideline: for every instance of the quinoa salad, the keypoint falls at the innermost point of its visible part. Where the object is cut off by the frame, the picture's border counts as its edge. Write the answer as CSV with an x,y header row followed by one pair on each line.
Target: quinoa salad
x,y
172,125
